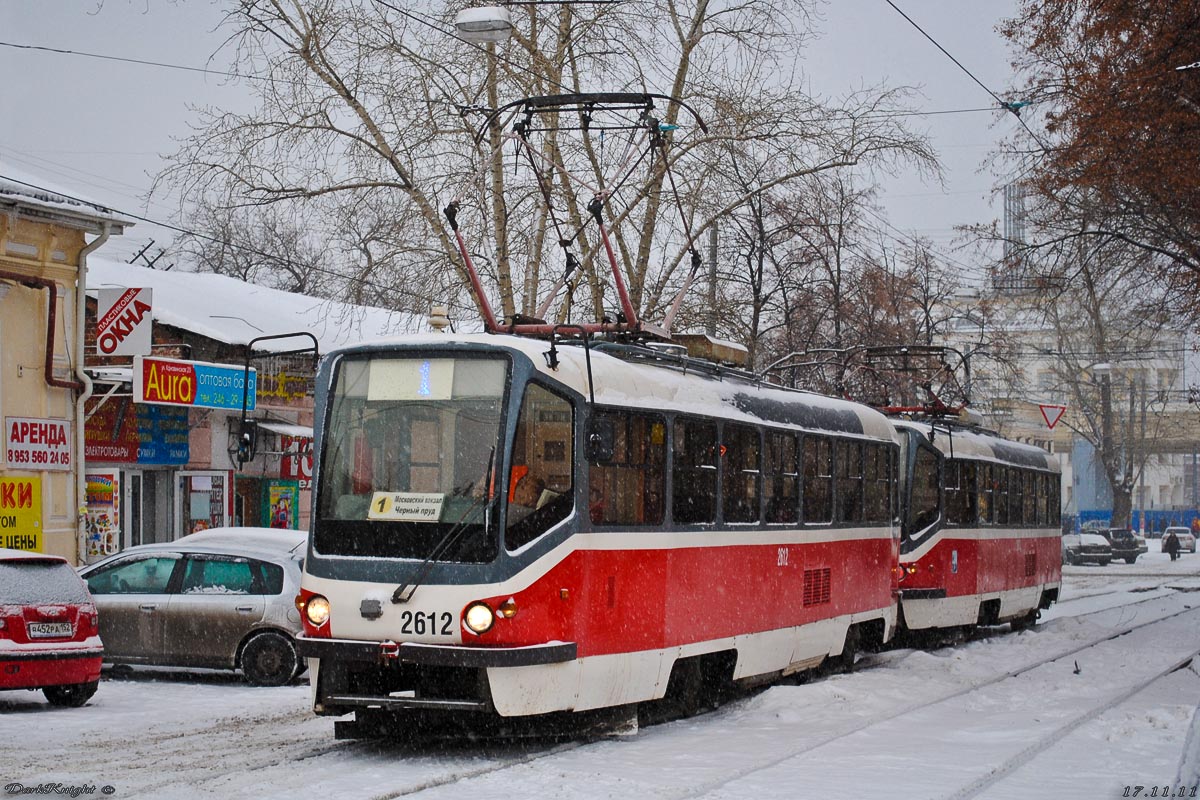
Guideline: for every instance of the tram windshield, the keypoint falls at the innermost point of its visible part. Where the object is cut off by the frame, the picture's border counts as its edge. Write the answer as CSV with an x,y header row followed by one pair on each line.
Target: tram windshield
x,y
410,447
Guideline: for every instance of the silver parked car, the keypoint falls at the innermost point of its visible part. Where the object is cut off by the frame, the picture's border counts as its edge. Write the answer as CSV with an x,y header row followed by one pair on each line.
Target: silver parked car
x,y
222,598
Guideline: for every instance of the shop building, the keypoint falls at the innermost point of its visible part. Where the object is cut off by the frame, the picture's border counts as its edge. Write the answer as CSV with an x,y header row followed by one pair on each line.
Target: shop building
x,y
47,236
163,428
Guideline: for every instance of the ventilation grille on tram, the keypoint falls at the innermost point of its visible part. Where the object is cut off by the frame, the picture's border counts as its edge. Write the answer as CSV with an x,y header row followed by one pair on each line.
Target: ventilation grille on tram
x,y
816,586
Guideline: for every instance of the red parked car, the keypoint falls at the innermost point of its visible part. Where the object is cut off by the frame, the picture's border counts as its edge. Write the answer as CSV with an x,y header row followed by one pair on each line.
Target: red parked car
x,y
49,637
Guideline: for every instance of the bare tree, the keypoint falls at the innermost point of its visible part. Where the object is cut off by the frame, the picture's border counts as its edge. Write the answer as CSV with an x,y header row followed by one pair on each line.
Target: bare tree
x,y
363,104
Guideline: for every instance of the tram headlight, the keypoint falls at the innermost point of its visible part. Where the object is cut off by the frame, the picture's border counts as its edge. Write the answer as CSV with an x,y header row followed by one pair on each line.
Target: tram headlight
x,y
478,618
316,610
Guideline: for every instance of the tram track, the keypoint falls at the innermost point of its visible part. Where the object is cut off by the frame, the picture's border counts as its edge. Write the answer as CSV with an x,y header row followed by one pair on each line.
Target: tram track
x,y
1036,748
880,719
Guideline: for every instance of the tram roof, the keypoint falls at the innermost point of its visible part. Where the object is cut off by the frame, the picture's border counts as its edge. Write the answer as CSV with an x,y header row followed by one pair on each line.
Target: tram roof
x,y
959,442
669,385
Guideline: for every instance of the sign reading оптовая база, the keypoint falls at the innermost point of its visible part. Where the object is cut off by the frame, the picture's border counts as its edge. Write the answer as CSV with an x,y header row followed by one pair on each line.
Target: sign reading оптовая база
x,y
168,381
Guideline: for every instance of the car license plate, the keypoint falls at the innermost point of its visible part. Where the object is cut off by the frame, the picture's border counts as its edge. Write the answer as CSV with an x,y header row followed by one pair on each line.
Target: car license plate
x,y
47,630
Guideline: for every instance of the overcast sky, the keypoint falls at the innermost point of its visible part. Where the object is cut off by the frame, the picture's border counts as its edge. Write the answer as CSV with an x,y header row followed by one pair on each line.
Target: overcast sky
x,y
101,125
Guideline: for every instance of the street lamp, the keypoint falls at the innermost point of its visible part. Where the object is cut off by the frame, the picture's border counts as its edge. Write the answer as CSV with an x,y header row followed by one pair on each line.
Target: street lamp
x,y
487,25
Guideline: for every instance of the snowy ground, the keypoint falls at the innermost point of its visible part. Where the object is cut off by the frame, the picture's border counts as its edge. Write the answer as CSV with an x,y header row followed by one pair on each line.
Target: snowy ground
x,y
1093,702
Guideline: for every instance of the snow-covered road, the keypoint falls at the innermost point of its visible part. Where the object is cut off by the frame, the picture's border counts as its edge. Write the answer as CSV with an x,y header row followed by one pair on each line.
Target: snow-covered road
x,y
1097,699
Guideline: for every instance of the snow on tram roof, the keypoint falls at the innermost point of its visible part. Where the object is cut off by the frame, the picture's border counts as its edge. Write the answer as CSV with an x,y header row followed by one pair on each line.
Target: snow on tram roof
x,y
646,384
954,441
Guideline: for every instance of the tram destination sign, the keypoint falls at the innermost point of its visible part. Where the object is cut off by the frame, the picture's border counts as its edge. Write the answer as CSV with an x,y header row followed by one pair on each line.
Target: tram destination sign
x,y
166,381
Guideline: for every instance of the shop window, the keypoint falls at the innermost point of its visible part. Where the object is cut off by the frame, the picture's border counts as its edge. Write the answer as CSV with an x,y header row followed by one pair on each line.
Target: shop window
x,y
629,488
741,473
694,472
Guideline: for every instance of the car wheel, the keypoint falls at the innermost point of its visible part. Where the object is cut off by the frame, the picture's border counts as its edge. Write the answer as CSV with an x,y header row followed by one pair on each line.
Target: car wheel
x,y
1130,559
71,696
1103,562
269,659
1069,559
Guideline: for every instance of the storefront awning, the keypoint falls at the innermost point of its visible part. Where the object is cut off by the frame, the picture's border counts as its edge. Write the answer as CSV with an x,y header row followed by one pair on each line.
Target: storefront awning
x,y
286,429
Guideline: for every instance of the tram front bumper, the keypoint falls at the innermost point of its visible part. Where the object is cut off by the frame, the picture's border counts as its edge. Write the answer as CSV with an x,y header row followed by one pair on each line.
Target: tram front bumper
x,y
435,655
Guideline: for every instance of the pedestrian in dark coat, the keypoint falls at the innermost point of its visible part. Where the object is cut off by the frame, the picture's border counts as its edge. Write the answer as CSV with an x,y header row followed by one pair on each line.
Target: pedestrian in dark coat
x,y
1171,546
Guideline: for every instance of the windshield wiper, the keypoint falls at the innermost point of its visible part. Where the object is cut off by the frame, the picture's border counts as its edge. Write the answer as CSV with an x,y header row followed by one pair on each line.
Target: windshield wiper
x,y
405,591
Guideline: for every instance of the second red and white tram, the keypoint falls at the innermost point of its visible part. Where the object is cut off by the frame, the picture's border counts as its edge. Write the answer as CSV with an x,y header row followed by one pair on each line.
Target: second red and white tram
x,y
981,543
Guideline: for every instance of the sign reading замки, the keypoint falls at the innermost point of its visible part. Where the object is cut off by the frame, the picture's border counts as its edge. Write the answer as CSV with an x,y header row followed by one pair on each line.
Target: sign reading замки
x,y
36,444
123,321
167,381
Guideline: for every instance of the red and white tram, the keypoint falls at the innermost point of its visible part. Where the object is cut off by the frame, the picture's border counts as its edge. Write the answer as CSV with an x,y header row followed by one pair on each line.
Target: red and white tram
x,y
981,541
521,527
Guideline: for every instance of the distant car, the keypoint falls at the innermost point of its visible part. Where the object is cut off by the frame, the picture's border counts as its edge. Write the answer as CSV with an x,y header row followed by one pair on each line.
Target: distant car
x,y
222,598
1084,547
1125,543
1187,541
49,638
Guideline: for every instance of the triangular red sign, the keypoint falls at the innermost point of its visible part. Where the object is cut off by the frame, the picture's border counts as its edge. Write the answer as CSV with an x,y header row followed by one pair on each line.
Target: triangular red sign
x,y
1052,414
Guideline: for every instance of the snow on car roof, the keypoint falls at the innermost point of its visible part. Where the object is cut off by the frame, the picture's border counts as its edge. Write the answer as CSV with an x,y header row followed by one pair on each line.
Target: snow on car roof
x,y
27,555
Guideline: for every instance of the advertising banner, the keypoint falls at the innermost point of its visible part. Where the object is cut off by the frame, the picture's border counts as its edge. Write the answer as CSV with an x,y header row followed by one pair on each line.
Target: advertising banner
x,y
283,499
103,518
21,514
296,463
31,443
128,433
123,322
166,381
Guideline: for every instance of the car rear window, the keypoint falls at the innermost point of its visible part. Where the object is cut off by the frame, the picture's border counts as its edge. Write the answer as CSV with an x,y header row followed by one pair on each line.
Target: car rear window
x,y
23,582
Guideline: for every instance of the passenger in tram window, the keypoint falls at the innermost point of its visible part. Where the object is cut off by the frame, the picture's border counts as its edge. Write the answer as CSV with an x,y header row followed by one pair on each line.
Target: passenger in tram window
x,y
596,504
528,494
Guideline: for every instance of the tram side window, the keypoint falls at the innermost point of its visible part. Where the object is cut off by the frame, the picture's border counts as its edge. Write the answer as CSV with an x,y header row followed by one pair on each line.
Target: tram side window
x,y
1043,491
629,489
782,478
1055,500
818,479
694,472
540,485
742,473
1001,494
849,464
1029,506
987,494
961,495
924,500
878,479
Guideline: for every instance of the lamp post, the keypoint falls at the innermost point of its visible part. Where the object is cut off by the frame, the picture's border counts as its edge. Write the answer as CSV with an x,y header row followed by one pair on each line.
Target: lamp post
x,y
485,25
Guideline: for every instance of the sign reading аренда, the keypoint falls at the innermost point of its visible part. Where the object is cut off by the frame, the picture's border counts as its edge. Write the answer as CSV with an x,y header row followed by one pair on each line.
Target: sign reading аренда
x,y
167,381
31,443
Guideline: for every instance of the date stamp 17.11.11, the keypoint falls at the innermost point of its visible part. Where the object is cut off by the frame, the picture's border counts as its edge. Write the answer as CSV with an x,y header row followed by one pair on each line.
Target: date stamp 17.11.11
x,y
1161,790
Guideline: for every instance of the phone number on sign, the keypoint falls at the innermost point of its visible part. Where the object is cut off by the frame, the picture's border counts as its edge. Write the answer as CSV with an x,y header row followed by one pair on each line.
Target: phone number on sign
x,y
38,457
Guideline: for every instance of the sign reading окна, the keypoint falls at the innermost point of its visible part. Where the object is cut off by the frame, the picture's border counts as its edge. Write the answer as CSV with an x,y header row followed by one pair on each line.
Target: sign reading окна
x,y
123,322
31,443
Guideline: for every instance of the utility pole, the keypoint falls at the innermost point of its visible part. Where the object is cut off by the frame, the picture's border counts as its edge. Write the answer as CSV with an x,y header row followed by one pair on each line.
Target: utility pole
x,y
711,328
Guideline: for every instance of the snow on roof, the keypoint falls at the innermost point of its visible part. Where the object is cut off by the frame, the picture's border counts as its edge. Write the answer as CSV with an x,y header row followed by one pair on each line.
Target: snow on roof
x,y
20,187
234,312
